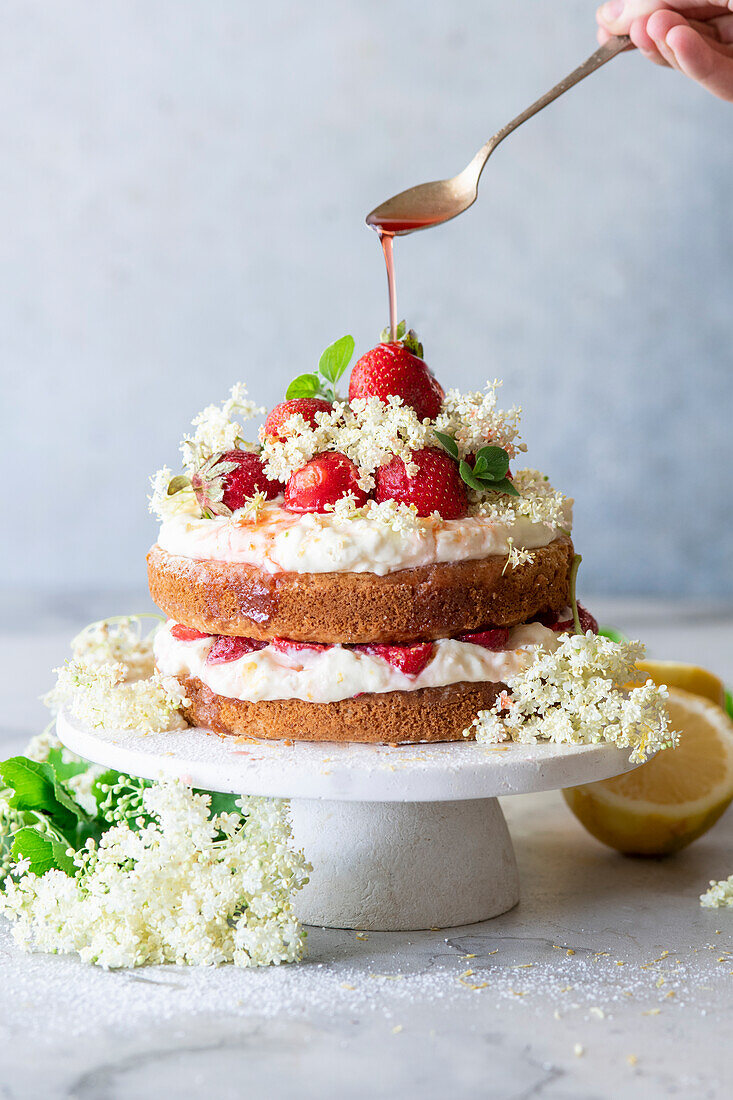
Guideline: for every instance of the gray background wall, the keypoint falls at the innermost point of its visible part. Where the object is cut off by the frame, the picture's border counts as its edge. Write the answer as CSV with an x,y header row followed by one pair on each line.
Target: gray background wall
x,y
182,193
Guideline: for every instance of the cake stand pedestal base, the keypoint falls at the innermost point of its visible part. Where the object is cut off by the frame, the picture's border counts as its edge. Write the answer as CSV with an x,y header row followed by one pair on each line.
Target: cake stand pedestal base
x,y
401,866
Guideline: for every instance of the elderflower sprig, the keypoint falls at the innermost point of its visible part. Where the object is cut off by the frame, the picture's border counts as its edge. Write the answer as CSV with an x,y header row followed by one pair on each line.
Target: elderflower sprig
x,y
578,695
175,884
110,682
720,894
219,428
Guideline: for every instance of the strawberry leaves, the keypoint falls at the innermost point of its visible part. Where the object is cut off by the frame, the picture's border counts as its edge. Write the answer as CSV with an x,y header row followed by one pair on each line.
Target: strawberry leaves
x,y
322,383
489,471
408,338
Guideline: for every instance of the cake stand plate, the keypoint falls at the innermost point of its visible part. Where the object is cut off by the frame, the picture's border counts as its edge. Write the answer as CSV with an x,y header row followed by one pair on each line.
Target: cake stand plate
x,y
400,837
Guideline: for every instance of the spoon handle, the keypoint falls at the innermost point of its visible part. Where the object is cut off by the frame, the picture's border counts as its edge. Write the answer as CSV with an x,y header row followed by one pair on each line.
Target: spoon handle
x,y
602,55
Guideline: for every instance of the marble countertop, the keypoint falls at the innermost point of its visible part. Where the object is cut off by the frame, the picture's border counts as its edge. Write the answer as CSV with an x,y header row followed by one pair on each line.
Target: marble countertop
x,y
607,980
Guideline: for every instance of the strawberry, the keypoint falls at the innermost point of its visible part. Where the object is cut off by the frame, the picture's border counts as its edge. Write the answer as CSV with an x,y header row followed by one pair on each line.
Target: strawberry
x,y
231,649
391,370
436,487
187,633
324,480
567,626
494,640
286,644
225,481
306,406
408,659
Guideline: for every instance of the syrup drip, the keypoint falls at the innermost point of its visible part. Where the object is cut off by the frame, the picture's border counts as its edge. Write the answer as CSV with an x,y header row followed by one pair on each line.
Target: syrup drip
x,y
387,241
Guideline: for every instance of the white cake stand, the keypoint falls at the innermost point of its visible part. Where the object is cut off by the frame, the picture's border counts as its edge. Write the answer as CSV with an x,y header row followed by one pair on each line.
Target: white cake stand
x,y
399,837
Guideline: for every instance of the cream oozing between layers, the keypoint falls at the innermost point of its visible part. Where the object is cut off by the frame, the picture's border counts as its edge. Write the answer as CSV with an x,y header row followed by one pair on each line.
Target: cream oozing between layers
x,y
325,543
324,676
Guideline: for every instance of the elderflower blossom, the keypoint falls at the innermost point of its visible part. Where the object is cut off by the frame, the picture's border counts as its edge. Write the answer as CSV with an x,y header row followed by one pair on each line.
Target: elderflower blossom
x,y
166,506
110,682
575,695
182,888
720,894
517,556
252,508
538,502
474,421
219,428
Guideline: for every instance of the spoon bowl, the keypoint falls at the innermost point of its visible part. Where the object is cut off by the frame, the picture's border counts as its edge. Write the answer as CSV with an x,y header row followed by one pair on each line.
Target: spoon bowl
x,y
433,203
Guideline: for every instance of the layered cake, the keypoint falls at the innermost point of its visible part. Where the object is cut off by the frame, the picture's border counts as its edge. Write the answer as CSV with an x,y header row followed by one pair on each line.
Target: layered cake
x,y
370,569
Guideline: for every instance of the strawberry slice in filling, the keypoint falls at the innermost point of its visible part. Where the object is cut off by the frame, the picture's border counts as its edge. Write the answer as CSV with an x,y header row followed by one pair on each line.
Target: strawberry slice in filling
x,y
408,659
226,649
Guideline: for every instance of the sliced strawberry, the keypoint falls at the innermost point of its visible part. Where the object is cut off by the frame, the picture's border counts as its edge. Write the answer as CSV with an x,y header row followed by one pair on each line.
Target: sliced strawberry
x,y
322,481
587,622
285,644
409,659
187,633
436,487
231,649
495,639
391,370
306,406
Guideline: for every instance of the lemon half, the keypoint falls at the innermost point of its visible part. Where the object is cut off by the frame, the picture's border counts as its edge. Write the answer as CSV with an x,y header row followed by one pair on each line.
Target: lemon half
x,y
665,804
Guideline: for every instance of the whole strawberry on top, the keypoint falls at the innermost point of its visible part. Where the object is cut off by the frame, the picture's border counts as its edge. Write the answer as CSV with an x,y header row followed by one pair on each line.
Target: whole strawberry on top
x,y
322,482
435,486
397,369
307,407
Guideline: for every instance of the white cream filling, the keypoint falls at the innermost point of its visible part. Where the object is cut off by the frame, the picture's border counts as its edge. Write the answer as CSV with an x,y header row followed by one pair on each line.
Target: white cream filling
x,y
323,676
282,542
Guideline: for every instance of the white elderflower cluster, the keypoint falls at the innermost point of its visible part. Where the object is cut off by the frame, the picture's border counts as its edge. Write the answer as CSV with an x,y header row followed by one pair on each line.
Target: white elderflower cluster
x,y
720,894
390,514
517,556
538,502
185,888
474,421
219,427
577,695
368,431
167,505
110,682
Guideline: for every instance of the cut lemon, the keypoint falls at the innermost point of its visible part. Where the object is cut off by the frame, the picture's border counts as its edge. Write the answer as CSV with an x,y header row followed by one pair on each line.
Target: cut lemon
x,y
688,677
665,804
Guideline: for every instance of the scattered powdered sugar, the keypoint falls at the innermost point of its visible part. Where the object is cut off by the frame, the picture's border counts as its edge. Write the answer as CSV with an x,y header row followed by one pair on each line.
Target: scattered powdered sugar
x,y
356,973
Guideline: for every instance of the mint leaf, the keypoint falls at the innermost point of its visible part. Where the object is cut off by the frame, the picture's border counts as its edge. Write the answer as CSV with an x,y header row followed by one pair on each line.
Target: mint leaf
x,y
34,786
728,704
448,443
335,359
506,485
305,385
612,634
494,460
45,853
470,478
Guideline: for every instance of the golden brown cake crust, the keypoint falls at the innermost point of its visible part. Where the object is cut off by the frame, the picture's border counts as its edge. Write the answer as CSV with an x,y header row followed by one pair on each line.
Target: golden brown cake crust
x,y
395,717
434,601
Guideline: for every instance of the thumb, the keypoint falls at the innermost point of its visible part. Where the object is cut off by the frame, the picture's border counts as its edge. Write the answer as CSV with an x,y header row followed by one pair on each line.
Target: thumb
x,y
700,61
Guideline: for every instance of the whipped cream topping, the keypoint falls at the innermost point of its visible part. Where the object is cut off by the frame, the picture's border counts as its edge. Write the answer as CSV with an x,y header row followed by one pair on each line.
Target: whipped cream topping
x,y
325,543
324,676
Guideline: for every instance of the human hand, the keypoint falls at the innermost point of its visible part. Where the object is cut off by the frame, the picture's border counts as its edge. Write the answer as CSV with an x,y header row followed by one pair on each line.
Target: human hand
x,y
693,36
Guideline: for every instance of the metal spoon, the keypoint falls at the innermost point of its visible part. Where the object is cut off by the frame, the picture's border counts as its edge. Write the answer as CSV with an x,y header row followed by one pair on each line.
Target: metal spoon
x,y
430,204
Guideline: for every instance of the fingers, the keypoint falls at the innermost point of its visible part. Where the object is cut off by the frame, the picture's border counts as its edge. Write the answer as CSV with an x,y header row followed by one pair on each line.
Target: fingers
x,y
697,58
617,16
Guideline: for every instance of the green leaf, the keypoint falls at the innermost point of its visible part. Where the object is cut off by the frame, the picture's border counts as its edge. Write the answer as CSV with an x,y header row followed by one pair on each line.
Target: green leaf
x,y
221,803
448,443
470,478
504,486
612,634
35,786
65,769
335,359
728,704
45,853
494,460
305,385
